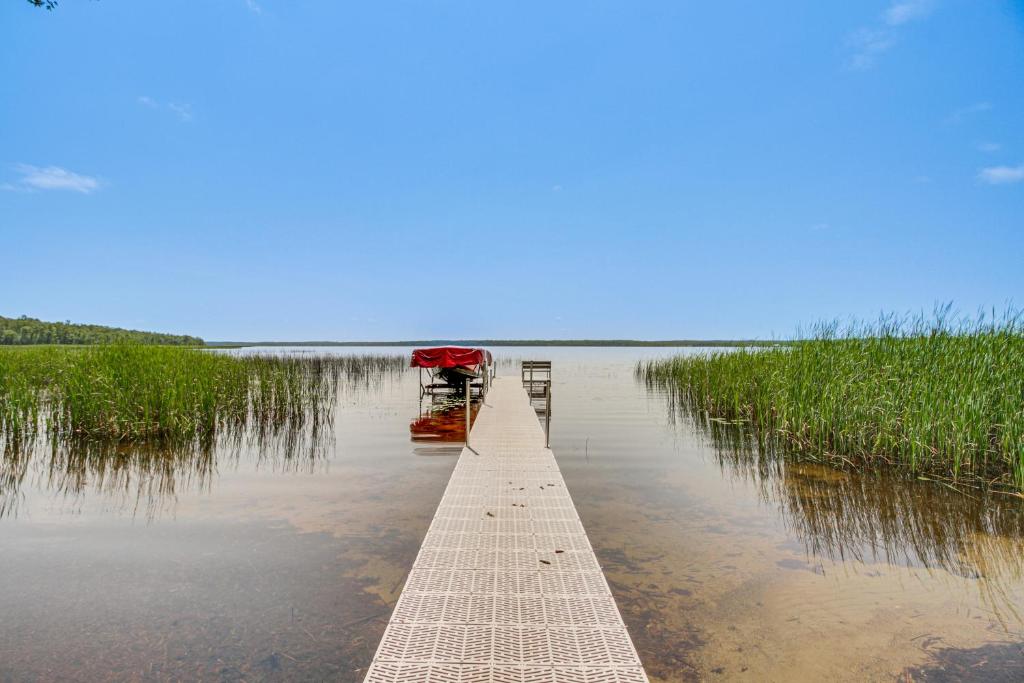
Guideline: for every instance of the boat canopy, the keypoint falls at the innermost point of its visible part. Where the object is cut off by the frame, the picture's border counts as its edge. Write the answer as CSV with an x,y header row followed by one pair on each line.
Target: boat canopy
x,y
450,357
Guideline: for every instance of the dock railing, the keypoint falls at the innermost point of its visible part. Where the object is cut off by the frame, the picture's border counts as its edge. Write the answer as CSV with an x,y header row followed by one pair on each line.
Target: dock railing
x,y
536,374
536,377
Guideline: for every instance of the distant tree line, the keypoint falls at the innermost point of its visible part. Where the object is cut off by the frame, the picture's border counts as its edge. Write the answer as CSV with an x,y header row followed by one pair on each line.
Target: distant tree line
x,y
25,330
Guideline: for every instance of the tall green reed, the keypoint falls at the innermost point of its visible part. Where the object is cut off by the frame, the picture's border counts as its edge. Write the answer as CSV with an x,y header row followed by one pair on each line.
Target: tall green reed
x,y
938,395
134,392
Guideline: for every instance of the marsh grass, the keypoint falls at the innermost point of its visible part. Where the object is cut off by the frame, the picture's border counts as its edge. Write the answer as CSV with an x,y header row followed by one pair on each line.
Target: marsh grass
x,y
152,416
935,396
134,393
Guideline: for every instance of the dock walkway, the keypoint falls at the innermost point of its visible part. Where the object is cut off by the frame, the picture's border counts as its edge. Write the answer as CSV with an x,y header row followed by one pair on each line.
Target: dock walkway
x,y
506,587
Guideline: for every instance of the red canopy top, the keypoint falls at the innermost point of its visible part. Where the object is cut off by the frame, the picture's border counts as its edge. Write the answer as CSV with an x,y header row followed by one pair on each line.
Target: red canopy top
x,y
449,357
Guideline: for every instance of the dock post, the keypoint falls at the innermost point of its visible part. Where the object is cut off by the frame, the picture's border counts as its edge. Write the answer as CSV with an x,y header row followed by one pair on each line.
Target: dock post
x,y
469,400
547,416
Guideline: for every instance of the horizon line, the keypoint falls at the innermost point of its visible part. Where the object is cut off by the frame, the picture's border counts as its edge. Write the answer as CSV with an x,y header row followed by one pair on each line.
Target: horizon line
x,y
508,342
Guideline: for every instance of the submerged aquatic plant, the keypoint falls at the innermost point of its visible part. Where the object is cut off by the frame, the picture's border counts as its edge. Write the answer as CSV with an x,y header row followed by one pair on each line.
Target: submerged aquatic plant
x,y
934,395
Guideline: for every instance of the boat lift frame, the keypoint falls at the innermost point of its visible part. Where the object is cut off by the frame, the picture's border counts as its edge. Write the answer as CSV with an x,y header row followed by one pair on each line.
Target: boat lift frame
x,y
477,387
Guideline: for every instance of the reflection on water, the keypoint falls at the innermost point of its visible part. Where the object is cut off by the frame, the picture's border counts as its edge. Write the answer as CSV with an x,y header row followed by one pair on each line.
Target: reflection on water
x,y
275,559
134,475
876,516
441,420
147,478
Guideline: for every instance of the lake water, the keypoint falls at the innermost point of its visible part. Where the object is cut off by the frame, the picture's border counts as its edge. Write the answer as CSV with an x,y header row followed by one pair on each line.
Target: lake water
x,y
249,566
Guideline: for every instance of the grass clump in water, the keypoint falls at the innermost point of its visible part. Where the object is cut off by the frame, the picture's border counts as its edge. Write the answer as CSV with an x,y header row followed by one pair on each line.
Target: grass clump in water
x,y
935,396
151,419
138,393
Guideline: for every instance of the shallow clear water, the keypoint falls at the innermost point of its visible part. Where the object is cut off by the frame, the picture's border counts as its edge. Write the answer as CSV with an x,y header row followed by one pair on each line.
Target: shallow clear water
x,y
247,566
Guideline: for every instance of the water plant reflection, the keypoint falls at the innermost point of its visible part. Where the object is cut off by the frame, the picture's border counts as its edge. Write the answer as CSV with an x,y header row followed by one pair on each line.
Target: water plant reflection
x,y
855,518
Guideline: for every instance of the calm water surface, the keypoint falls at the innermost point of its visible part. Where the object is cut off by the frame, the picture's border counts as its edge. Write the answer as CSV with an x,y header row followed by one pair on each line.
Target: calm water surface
x,y
245,565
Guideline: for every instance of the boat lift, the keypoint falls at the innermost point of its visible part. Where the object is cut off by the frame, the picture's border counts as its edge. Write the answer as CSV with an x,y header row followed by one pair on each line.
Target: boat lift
x,y
454,370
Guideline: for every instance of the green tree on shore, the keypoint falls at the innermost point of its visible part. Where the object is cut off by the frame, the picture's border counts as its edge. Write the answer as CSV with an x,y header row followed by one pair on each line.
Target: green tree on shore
x,y
25,330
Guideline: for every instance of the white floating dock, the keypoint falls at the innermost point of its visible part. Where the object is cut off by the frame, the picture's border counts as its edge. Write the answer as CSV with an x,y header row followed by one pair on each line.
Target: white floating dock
x,y
506,587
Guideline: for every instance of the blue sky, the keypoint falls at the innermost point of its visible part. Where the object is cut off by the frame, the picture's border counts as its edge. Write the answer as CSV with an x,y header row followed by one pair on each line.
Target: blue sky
x,y
292,169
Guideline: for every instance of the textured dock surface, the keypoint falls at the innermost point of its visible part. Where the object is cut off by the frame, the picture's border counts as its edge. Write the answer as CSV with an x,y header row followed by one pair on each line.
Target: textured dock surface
x,y
506,587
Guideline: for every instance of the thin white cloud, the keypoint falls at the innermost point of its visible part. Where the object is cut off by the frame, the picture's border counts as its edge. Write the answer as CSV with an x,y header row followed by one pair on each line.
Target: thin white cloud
x,y
182,110
900,13
968,111
51,178
1002,175
254,6
867,44
989,147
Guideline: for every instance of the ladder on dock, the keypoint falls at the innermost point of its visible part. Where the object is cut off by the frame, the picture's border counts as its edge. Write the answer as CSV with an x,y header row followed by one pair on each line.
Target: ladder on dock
x,y
536,376
506,587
